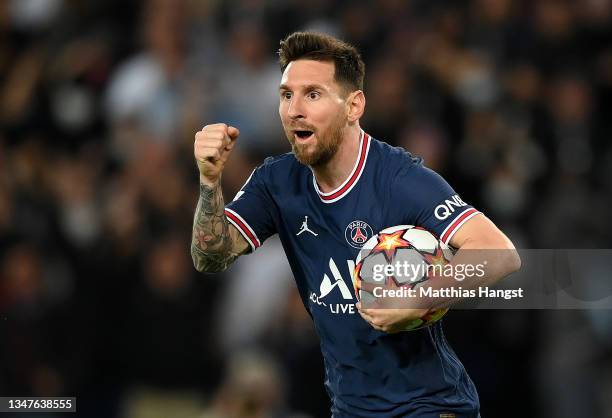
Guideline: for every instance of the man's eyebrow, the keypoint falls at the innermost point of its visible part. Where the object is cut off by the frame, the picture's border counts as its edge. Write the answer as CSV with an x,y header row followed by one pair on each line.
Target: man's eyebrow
x,y
307,87
310,87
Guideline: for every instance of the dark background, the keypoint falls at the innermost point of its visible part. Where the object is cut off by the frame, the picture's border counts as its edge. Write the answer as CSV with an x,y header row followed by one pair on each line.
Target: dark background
x,y
99,103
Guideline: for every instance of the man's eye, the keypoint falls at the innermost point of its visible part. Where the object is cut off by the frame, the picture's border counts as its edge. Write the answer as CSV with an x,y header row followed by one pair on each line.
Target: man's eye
x,y
286,95
314,95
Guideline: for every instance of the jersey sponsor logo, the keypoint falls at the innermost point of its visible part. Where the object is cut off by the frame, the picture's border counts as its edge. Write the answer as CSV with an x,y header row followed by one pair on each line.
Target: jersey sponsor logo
x,y
335,282
357,233
304,228
446,209
327,286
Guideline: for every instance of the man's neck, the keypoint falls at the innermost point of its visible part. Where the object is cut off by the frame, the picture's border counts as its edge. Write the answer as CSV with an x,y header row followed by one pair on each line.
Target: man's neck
x,y
331,175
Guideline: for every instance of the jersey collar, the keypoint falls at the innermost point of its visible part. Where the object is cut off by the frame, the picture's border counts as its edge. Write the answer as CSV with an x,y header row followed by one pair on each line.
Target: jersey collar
x,y
351,181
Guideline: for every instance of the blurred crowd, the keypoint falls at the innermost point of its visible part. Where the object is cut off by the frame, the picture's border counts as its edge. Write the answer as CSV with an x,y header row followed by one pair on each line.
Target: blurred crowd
x,y
510,100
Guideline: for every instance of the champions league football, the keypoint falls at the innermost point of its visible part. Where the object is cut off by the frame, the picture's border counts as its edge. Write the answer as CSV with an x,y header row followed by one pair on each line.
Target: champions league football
x,y
401,256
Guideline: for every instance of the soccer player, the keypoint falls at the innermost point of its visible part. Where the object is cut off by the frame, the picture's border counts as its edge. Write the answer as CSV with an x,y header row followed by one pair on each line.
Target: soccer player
x,y
335,189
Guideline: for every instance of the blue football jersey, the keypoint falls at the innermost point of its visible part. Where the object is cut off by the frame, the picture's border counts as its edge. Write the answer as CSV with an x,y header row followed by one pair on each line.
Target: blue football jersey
x,y
368,373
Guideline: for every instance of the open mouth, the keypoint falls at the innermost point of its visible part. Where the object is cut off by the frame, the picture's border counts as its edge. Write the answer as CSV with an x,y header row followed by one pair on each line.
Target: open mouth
x,y
303,135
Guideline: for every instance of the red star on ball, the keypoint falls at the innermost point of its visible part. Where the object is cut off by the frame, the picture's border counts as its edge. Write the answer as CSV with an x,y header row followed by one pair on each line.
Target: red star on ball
x,y
437,258
388,243
356,278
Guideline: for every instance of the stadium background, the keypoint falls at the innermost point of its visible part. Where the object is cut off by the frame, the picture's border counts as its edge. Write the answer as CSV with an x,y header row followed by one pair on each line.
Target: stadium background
x,y
99,102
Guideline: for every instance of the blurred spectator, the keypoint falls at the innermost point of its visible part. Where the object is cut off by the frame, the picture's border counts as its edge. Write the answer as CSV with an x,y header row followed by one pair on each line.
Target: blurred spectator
x,y
254,297
247,91
252,388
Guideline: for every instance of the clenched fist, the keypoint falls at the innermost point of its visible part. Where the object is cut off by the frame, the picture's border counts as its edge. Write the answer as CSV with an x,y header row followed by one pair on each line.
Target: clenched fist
x,y
211,148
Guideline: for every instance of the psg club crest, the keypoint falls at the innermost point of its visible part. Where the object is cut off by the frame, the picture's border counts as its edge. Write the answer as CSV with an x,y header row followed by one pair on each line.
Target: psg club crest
x,y
357,233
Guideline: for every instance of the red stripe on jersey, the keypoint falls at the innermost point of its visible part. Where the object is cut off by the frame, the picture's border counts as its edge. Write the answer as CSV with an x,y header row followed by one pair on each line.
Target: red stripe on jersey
x,y
356,173
451,229
244,227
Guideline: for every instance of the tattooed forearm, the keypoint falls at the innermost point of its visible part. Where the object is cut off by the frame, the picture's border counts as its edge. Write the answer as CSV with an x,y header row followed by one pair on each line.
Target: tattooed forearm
x,y
214,244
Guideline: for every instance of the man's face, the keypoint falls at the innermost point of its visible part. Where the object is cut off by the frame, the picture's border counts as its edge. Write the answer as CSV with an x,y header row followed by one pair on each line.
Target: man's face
x,y
313,110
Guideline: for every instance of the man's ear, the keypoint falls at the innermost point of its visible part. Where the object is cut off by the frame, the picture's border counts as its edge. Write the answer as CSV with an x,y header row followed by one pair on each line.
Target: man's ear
x,y
356,105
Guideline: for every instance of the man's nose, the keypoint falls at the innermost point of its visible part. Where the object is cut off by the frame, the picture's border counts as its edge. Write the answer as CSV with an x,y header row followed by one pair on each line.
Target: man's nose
x,y
296,109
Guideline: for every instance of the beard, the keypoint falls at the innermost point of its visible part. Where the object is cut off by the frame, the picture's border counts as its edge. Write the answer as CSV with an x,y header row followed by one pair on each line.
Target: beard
x,y
326,146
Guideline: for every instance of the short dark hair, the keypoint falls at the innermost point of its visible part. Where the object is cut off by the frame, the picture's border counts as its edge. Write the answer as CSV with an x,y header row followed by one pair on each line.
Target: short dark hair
x,y
349,68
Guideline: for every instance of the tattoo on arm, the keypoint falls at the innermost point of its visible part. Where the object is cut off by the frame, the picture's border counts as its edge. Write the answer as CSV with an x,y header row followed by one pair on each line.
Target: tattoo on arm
x,y
215,244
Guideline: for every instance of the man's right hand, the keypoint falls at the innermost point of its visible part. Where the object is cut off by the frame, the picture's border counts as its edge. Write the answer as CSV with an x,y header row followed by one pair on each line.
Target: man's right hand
x,y
212,147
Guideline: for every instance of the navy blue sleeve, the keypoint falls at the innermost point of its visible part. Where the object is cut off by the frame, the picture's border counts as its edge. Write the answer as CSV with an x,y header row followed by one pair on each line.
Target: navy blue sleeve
x,y
251,211
430,202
